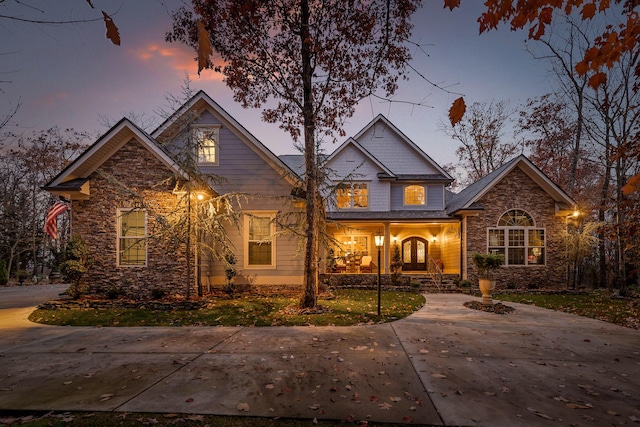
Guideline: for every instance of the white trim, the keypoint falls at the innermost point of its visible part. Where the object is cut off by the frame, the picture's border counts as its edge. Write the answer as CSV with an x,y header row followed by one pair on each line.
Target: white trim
x,y
351,200
118,237
245,238
404,195
526,246
214,129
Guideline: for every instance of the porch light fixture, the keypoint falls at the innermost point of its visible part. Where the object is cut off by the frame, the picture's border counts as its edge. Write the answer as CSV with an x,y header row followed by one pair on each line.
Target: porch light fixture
x,y
379,237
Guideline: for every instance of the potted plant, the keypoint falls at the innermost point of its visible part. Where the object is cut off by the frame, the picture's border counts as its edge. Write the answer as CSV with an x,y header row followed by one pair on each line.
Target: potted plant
x,y
486,265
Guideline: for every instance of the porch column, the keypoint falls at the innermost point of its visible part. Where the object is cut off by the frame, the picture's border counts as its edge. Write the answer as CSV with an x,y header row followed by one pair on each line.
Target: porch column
x,y
387,248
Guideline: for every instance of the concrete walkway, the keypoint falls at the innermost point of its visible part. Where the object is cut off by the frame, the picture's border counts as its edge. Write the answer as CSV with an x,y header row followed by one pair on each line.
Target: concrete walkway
x,y
444,365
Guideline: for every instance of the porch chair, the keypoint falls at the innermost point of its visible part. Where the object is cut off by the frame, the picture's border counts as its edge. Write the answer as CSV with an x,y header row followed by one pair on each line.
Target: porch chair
x,y
340,266
365,264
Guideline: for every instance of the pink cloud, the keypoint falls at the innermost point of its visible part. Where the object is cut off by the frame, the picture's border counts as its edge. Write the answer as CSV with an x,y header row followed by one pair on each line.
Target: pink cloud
x,y
178,58
50,99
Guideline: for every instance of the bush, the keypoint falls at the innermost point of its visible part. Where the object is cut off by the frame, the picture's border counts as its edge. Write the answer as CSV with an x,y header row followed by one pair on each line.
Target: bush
x,y
465,283
4,274
114,292
75,266
158,293
486,263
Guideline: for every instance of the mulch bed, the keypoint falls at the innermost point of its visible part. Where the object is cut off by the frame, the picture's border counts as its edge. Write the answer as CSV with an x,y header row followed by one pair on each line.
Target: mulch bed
x,y
497,308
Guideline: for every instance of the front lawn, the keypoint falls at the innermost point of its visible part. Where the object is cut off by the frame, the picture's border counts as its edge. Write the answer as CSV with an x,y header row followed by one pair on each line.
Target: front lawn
x,y
349,307
596,304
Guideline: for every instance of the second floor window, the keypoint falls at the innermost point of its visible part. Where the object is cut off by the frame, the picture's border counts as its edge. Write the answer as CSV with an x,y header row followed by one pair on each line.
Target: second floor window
x,y
206,140
415,195
353,195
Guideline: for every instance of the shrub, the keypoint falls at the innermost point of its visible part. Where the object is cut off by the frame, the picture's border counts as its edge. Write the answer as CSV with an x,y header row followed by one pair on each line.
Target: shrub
x,y
158,293
465,283
75,266
114,292
486,263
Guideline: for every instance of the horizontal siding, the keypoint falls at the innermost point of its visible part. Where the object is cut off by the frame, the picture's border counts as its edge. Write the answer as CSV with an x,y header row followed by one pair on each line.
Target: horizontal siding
x,y
435,199
361,168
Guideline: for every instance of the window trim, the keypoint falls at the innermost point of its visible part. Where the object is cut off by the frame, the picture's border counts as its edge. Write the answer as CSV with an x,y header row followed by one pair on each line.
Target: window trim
x,y
526,245
216,142
352,195
404,195
119,215
246,221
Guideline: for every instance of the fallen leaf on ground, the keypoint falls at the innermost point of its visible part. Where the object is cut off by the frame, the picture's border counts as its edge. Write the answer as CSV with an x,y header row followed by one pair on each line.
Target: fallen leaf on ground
x,y
243,407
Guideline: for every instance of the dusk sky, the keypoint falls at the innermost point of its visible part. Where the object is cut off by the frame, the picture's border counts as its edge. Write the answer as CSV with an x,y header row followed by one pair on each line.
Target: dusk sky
x,y
71,76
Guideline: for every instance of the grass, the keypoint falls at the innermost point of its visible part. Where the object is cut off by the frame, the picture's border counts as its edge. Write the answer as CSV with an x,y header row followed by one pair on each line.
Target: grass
x,y
349,307
596,304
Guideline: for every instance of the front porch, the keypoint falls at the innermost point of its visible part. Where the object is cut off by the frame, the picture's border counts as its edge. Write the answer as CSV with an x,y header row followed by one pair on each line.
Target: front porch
x,y
408,248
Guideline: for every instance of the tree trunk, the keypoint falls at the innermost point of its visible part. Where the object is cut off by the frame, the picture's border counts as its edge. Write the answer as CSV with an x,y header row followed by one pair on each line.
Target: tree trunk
x,y
311,250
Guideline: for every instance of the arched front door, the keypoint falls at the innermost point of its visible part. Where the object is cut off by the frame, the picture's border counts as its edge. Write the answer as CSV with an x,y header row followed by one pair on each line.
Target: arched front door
x,y
414,254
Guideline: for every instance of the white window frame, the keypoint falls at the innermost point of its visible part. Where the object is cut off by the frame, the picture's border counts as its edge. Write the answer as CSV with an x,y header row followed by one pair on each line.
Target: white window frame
x,y
404,195
119,237
246,222
214,130
506,247
350,185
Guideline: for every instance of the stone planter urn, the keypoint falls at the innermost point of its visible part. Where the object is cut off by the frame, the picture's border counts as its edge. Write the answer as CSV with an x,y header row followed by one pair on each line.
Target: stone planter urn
x,y
486,265
486,287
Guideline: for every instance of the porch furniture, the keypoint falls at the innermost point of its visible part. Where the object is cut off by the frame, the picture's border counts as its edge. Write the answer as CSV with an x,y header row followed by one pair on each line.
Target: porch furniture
x,y
340,266
365,264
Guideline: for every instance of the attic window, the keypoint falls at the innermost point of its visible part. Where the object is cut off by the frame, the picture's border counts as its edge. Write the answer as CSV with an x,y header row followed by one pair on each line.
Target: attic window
x,y
206,142
414,195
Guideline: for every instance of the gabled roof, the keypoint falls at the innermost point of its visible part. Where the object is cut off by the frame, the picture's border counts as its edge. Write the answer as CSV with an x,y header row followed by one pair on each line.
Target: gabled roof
x,y
406,140
367,154
201,102
468,198
75,175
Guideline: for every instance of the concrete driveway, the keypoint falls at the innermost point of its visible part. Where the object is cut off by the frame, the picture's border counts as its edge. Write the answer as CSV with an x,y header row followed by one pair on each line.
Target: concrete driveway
x,y
444,365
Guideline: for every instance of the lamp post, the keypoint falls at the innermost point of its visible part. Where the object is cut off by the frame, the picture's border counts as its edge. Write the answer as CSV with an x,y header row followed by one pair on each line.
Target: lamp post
x,y
379,243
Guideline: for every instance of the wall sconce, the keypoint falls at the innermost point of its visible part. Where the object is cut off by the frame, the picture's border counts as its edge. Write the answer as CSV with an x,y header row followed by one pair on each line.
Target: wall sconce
x,y
435,240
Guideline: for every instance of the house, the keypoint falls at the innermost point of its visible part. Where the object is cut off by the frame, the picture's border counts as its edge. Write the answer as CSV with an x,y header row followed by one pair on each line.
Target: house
x,y
124,188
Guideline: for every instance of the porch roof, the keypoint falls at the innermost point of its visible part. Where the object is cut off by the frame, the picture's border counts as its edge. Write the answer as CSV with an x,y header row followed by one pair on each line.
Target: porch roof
x,y
391,216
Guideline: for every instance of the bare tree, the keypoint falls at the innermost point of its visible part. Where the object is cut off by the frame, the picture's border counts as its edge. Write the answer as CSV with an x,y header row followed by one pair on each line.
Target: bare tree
x,y
481,134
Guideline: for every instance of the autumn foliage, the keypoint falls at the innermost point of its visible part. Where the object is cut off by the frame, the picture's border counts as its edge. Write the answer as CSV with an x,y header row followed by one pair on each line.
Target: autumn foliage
x,y
536,15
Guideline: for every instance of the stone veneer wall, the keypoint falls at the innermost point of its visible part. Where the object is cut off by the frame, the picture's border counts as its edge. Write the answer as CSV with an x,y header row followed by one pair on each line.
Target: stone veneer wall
x,y
518,191
95,220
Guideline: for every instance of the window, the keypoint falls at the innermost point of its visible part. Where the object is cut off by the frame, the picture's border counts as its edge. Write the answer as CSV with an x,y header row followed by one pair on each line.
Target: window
x,y
414,195
260,248
517,239
351,245
352,195
206,142
132,238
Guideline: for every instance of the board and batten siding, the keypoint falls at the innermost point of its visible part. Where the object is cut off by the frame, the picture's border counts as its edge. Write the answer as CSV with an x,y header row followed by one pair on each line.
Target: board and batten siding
x,y
435,197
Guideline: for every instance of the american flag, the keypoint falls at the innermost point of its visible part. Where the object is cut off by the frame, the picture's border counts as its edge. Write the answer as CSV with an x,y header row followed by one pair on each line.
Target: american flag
x,y
51,223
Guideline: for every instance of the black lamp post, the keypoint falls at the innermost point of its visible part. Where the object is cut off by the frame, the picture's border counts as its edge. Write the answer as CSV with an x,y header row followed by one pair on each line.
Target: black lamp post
x,y
379,243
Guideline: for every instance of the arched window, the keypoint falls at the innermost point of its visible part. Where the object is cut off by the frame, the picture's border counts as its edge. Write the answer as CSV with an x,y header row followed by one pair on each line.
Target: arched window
x,y
516,218
517,239
415,195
